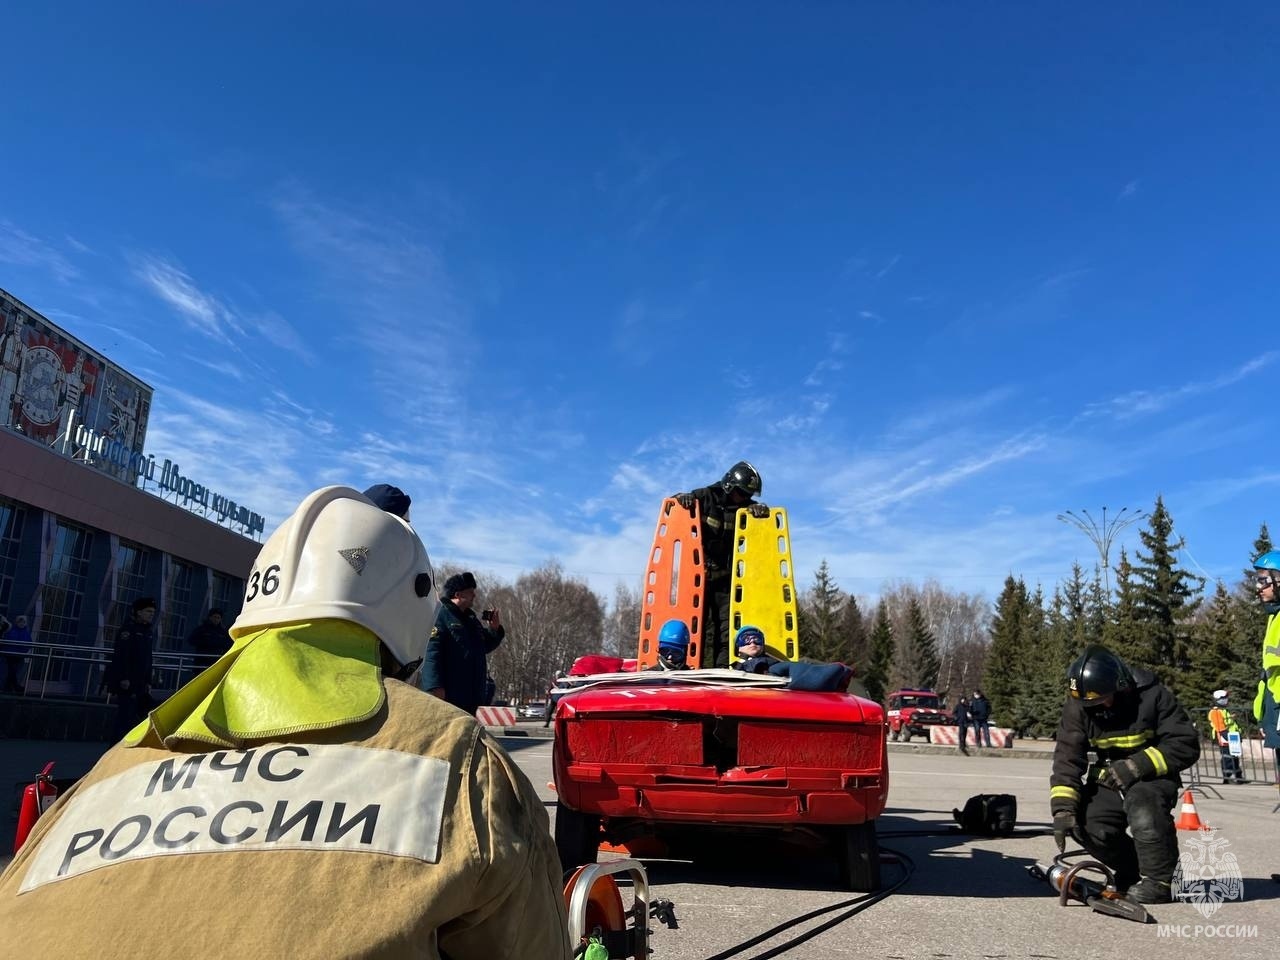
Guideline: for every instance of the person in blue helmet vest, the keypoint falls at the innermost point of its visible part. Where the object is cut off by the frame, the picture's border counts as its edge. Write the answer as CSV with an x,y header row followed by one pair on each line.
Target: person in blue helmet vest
x,y
749,643
1266,705
673,646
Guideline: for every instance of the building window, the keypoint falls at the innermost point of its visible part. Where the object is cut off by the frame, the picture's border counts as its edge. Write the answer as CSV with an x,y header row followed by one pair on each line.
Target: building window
x,y
131,578
11,518
173,632
62,593
227,594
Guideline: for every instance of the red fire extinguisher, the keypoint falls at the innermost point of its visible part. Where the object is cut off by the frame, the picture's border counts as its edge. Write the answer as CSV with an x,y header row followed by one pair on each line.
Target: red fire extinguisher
x,y
36,799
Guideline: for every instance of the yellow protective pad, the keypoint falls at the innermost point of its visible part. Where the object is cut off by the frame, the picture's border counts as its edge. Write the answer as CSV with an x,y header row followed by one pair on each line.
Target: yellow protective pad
x,y
763,591
673,581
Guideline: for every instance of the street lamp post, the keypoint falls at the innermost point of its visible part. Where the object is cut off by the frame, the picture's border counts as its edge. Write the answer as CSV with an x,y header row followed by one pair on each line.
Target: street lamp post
x,y
1103,534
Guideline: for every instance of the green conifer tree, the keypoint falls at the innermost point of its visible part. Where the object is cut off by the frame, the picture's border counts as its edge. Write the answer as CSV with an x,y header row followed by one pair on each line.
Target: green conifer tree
x,y
920,663
1004,658
855,641
876,676
1251,618
824,606
1217,637
1038,700
1124,634
1166,600
1097,609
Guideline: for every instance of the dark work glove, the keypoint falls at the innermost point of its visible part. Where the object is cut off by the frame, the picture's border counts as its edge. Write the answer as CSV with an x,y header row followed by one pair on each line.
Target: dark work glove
x,y
1121,775
685,500
759,509
1066,817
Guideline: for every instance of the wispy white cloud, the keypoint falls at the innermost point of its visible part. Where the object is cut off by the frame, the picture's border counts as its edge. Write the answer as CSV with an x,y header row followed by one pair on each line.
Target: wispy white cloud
x,y
893,262
401,307
223,368
278,331
1128,190
949,410
21,249
1141,403
201,311
831,361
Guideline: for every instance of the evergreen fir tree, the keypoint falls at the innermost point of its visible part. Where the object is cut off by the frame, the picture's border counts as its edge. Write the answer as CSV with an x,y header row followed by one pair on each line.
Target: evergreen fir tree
x,y
1251,618
825,603
1008,626
1038,700
854,639
1166,600
806,634
876,676
1213,656
1124,634
1097,609
920,663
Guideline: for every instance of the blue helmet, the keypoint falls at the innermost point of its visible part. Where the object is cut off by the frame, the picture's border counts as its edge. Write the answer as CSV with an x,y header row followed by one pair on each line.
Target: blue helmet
x,y
1268,561
674,635
748,635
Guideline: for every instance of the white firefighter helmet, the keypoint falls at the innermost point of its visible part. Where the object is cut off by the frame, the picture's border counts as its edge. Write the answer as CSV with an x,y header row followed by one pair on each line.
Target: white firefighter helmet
x,y
340,557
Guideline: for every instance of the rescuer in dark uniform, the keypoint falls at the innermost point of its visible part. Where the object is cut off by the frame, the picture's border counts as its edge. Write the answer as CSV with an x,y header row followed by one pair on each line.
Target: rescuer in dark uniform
x,y
718,506
1143,739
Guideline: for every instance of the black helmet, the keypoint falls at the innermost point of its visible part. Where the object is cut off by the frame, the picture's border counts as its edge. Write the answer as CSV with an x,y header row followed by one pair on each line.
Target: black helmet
x,y
742,476
1098,673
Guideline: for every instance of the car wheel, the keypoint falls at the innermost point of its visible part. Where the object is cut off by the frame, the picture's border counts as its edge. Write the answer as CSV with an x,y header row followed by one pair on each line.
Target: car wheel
x,y
577,837
858,854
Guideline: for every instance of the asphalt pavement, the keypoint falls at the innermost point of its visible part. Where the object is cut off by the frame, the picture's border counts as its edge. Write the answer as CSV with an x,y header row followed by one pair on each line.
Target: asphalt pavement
x,y
959,896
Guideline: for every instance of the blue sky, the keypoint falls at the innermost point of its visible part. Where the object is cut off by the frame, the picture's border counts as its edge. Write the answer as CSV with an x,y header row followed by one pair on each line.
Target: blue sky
x,y
941,271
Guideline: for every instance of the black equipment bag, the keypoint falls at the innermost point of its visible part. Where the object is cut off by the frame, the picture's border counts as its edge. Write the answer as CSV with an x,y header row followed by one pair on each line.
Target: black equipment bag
x,y
989,815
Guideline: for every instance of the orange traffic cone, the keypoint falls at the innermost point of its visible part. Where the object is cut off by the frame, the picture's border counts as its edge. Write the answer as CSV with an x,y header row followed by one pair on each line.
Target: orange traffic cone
x,y
1189,819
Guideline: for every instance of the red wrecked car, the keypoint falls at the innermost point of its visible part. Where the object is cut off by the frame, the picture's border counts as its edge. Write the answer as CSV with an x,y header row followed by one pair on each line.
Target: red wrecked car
x,y
672,756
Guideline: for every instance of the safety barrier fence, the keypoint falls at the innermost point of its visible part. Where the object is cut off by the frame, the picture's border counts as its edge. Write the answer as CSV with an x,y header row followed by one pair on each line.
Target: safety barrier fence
x,y
64,671
1258,762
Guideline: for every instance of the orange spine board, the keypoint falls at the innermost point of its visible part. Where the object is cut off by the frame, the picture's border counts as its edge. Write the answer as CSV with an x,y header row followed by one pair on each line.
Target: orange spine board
x,y
674,584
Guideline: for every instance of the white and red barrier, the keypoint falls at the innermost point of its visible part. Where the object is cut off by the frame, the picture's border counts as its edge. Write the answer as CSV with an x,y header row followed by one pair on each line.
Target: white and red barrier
x,y
950,736
497,716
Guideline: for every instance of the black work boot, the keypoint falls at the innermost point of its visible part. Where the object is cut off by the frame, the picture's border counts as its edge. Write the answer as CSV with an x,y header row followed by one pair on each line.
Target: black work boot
x,y
1148,890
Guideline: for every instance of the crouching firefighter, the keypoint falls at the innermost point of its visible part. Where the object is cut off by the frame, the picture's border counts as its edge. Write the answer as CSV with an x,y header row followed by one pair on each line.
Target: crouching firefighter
x,y
301,797
1143,739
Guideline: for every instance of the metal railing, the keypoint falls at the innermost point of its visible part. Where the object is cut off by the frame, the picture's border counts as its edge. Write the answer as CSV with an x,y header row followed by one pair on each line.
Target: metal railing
x,y
66,671
1258,762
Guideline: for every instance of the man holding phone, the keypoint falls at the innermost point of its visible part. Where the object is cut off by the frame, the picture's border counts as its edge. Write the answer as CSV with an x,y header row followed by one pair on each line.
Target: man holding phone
x,y
455,667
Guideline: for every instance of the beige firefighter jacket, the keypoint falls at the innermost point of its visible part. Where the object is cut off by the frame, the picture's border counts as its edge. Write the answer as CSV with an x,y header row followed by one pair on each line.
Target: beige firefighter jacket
x,y
408,834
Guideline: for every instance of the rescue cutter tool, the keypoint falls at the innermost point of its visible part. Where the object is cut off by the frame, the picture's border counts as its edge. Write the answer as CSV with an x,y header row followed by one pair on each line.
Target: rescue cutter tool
x,y
1098,898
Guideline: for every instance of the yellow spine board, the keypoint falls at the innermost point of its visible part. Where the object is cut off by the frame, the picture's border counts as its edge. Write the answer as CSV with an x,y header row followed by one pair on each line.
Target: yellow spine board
x,y
763,590
674,584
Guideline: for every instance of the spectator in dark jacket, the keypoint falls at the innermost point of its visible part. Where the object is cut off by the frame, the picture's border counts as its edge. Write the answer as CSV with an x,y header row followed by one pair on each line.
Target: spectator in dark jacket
x,y
962,724
460,642
980,714
129,673
17,645
210,640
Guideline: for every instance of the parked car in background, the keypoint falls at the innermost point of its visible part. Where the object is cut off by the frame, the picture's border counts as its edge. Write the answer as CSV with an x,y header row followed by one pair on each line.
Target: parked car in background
x,y
534,710
913,712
